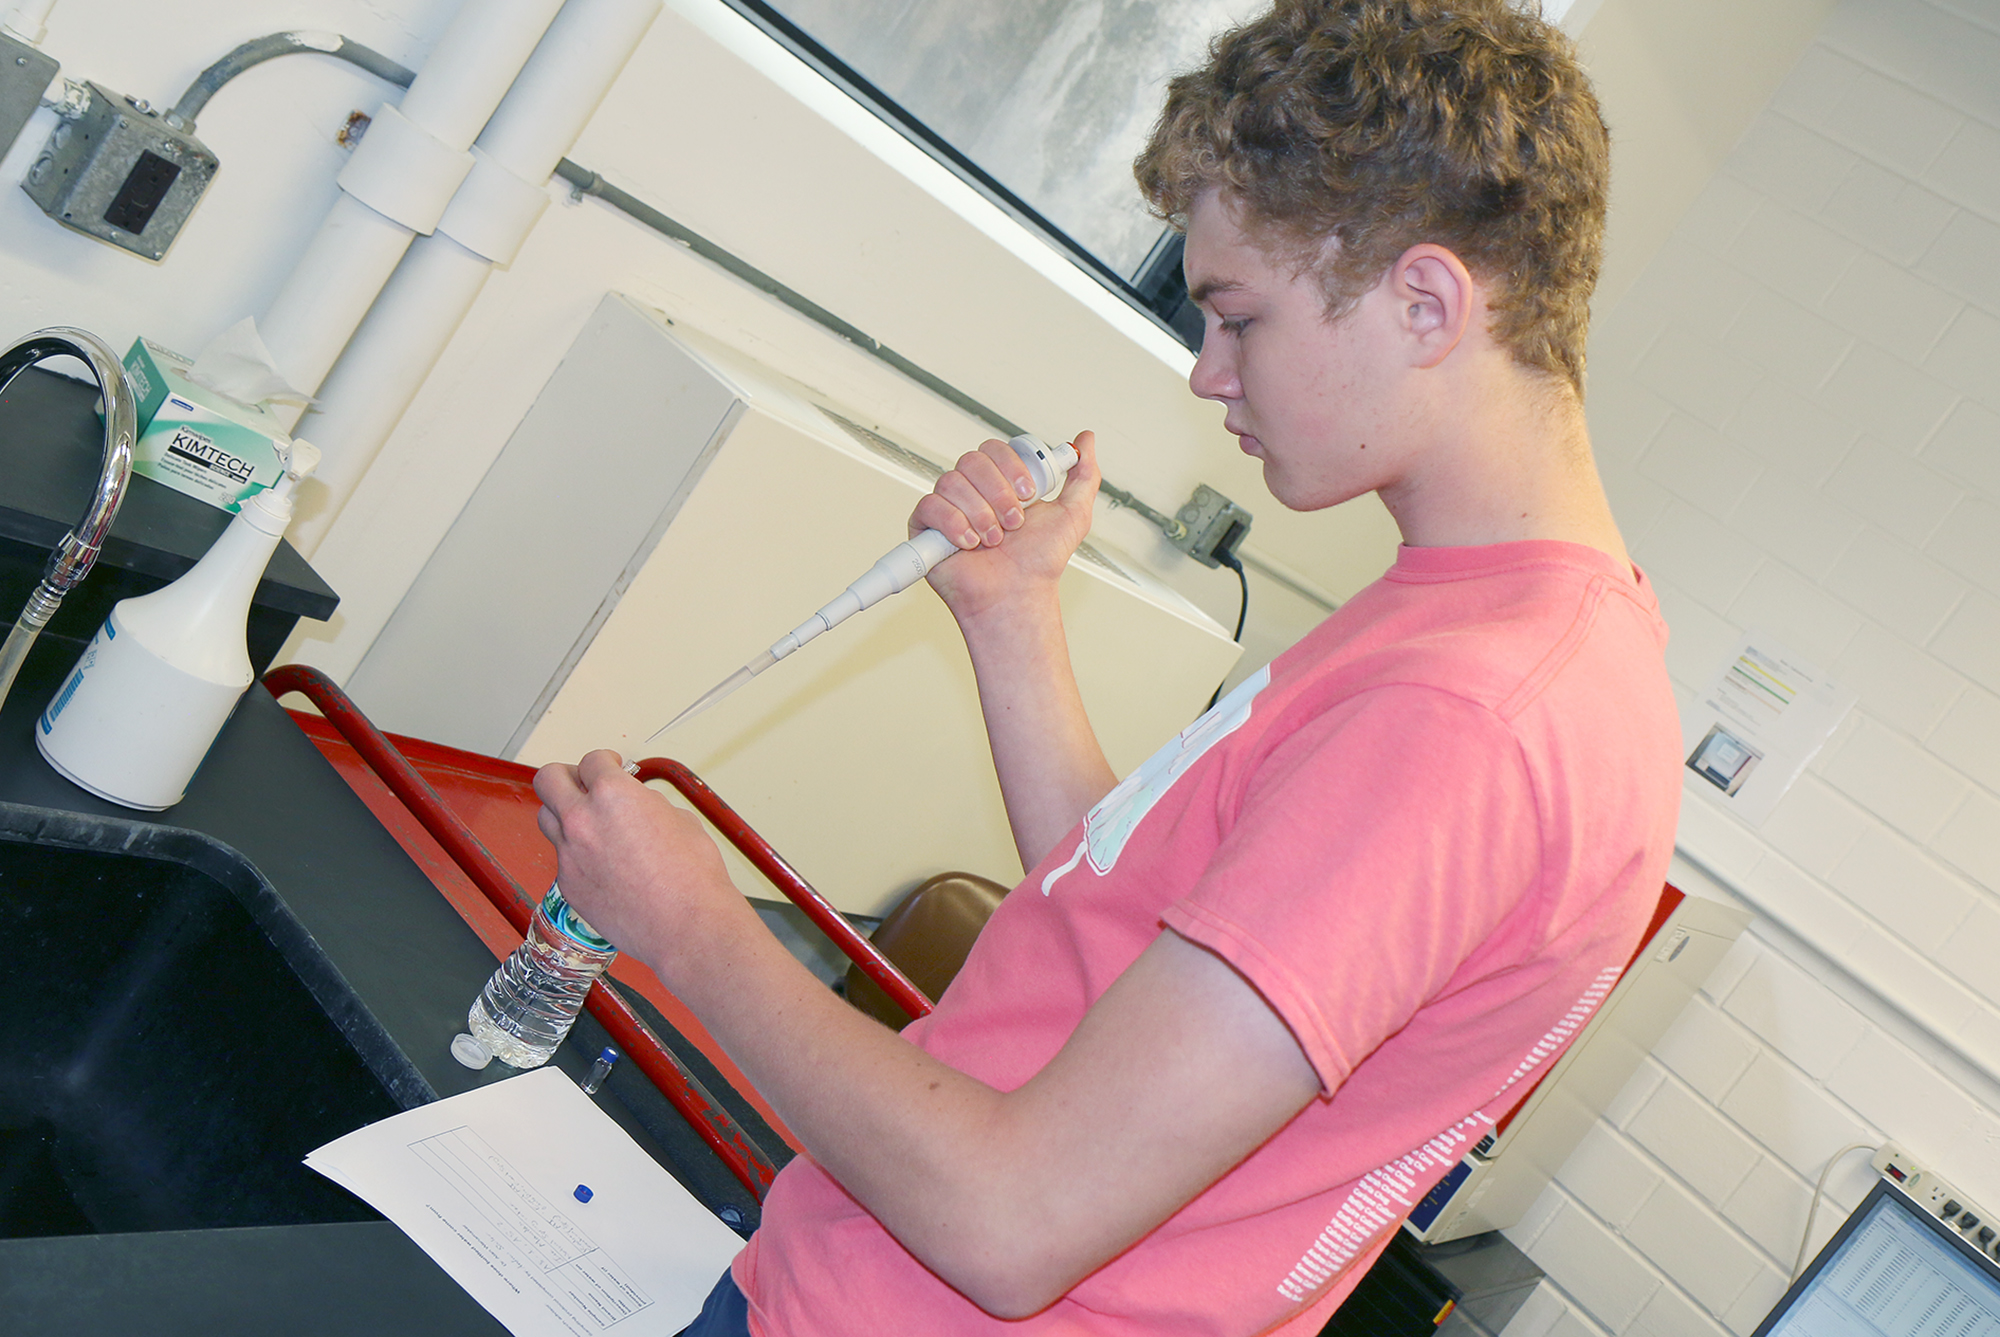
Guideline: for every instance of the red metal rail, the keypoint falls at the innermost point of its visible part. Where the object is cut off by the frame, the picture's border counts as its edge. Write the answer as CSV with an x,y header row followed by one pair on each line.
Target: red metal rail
x,y
785,878
713,1124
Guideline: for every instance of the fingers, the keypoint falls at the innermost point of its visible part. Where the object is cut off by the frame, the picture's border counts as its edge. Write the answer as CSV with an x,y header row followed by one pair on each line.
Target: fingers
x,y
599,766
986,489
934,512
978,502
1015,482
563,788
1085,443
557,787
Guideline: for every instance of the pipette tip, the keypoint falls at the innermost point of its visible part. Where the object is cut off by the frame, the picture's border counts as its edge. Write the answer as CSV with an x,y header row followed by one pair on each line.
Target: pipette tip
x,y
716,693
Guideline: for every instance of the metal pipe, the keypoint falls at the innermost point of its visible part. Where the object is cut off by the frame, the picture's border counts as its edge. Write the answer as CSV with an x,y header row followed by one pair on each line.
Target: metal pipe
x,y
421,304
260,49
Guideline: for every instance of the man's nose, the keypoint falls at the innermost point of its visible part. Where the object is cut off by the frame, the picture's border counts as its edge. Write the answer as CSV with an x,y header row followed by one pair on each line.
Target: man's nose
x,y
1214,374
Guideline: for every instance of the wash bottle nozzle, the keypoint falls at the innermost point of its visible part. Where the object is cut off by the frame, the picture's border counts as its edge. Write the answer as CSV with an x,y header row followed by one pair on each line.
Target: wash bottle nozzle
x,y
901,567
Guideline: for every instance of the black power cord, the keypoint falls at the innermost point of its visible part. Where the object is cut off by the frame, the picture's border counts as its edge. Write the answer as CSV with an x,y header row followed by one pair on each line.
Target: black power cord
x,y
1226,554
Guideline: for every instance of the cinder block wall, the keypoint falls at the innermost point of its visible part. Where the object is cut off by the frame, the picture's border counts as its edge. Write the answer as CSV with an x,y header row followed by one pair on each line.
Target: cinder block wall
x,y
1797,411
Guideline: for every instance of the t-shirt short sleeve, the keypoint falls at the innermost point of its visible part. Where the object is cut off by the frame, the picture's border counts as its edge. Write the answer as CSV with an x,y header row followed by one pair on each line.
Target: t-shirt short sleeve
x,y
1371,854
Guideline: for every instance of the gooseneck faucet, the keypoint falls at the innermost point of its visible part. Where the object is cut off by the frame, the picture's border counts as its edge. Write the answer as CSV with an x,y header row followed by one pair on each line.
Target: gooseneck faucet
x,y
73,557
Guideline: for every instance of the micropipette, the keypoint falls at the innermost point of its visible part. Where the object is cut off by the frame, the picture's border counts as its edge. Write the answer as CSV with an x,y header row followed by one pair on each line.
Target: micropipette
x,y
901,567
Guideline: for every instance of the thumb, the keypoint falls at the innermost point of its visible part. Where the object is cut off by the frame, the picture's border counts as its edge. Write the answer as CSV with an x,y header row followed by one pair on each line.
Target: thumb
x,y
1080,489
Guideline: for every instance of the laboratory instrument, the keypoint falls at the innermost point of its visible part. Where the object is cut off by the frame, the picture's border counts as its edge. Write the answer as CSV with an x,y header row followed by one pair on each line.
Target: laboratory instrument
x,y
1891,1268
901,567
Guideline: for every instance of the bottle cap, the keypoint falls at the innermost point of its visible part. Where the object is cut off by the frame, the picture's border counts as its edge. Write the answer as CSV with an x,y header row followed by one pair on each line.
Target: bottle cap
x,y
470,1052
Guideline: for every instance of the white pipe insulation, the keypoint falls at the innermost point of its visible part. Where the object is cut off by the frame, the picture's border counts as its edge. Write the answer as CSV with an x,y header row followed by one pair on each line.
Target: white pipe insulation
x,y
423,304
29,20
397,184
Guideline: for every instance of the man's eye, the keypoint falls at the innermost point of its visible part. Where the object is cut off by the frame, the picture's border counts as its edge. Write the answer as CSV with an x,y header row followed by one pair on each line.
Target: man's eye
x,y
1235,324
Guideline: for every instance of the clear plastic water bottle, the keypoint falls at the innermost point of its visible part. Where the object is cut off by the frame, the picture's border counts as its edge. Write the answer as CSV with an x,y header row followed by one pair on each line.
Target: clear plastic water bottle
x,y
529,1005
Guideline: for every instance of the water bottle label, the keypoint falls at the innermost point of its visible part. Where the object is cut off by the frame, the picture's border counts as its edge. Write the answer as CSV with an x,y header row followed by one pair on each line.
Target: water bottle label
x,y
571,924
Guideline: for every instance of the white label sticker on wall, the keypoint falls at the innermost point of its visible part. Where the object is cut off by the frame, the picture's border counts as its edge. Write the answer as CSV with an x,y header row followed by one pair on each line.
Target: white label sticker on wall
x,y
1764,715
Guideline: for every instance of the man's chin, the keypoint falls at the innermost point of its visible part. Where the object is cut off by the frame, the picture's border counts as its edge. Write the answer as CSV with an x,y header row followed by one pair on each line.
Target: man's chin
x,y
1294,496
1285,491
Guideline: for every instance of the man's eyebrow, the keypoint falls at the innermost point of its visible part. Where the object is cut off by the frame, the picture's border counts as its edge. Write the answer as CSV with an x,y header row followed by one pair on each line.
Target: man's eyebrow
x,y
1207,288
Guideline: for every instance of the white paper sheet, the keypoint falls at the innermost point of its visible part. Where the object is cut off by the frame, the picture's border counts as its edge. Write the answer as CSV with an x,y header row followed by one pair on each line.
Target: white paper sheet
x,y
485,1183
1765,714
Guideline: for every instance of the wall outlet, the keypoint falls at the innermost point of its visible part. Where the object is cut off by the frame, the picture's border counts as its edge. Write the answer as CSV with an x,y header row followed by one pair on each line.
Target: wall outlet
x,y
118,172
1216,527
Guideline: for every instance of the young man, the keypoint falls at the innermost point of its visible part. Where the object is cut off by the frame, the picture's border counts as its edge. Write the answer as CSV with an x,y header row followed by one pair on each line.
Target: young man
x,y
1251,1002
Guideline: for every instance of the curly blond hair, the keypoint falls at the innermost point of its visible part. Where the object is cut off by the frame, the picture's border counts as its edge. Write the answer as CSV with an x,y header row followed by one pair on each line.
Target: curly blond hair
x,y
1378,124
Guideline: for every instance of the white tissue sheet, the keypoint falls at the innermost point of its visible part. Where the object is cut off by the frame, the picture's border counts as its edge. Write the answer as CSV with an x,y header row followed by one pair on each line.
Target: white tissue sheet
x,y
236,363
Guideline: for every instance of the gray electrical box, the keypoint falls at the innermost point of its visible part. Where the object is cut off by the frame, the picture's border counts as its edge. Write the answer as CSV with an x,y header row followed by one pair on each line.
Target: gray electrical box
x,y
1216,527
25,74
118,172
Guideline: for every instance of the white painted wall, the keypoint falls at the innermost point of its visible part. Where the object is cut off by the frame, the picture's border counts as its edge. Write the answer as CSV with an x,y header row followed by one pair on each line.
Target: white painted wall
x,y
721,130
717,127
1795,407
1678,83
729,135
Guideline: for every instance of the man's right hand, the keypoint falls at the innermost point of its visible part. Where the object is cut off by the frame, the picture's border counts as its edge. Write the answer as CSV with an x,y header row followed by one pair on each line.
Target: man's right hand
x,y
1009,549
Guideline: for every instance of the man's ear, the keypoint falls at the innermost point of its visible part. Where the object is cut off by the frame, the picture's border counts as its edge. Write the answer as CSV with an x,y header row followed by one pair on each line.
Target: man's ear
x,y
1434,296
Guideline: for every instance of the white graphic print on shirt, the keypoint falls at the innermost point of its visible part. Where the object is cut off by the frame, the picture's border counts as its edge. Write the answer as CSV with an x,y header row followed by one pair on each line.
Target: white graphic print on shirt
x,y
1382,1198
1109,825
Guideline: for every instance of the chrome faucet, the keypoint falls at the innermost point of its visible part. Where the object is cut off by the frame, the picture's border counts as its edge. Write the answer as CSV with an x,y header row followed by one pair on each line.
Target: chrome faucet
x,y
74,556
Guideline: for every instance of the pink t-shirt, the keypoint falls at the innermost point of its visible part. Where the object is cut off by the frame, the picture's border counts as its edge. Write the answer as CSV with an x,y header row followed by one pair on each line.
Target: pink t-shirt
x,y
1430,834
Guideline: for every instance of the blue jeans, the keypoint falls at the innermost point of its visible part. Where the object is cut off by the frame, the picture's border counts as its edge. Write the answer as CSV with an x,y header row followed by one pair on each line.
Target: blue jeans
x,y
725,1313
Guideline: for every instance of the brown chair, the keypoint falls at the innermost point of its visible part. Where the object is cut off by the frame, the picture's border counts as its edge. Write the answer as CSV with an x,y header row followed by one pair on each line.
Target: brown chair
x,y
927,936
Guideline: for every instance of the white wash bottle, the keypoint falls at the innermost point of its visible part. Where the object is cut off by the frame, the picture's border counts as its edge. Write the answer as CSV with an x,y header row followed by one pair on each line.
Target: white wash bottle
x,y
138,713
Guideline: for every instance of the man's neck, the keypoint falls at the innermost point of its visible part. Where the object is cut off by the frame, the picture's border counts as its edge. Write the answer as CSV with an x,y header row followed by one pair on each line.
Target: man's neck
x,y
1507,459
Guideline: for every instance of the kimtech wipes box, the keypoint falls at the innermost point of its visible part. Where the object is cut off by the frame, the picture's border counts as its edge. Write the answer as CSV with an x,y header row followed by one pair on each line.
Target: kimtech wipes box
x,y
197,440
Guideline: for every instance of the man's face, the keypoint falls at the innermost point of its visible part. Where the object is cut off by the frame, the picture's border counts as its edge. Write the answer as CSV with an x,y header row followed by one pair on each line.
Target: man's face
x,y
1307,396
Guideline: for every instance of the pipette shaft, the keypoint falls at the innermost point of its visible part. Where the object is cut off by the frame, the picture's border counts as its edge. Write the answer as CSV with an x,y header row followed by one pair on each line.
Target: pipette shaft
x,y
898,569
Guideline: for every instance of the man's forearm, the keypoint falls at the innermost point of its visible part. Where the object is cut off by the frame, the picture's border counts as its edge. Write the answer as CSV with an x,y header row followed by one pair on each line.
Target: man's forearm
x,y
909,1137
1050,765
1012,1197
1175,1074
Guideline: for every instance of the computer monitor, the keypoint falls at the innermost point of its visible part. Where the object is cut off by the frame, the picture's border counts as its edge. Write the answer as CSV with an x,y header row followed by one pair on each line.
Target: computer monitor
x,y
1891,1270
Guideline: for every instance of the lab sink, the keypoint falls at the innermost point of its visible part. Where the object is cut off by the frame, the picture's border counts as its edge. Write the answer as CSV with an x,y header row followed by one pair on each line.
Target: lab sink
x,y
179,1040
